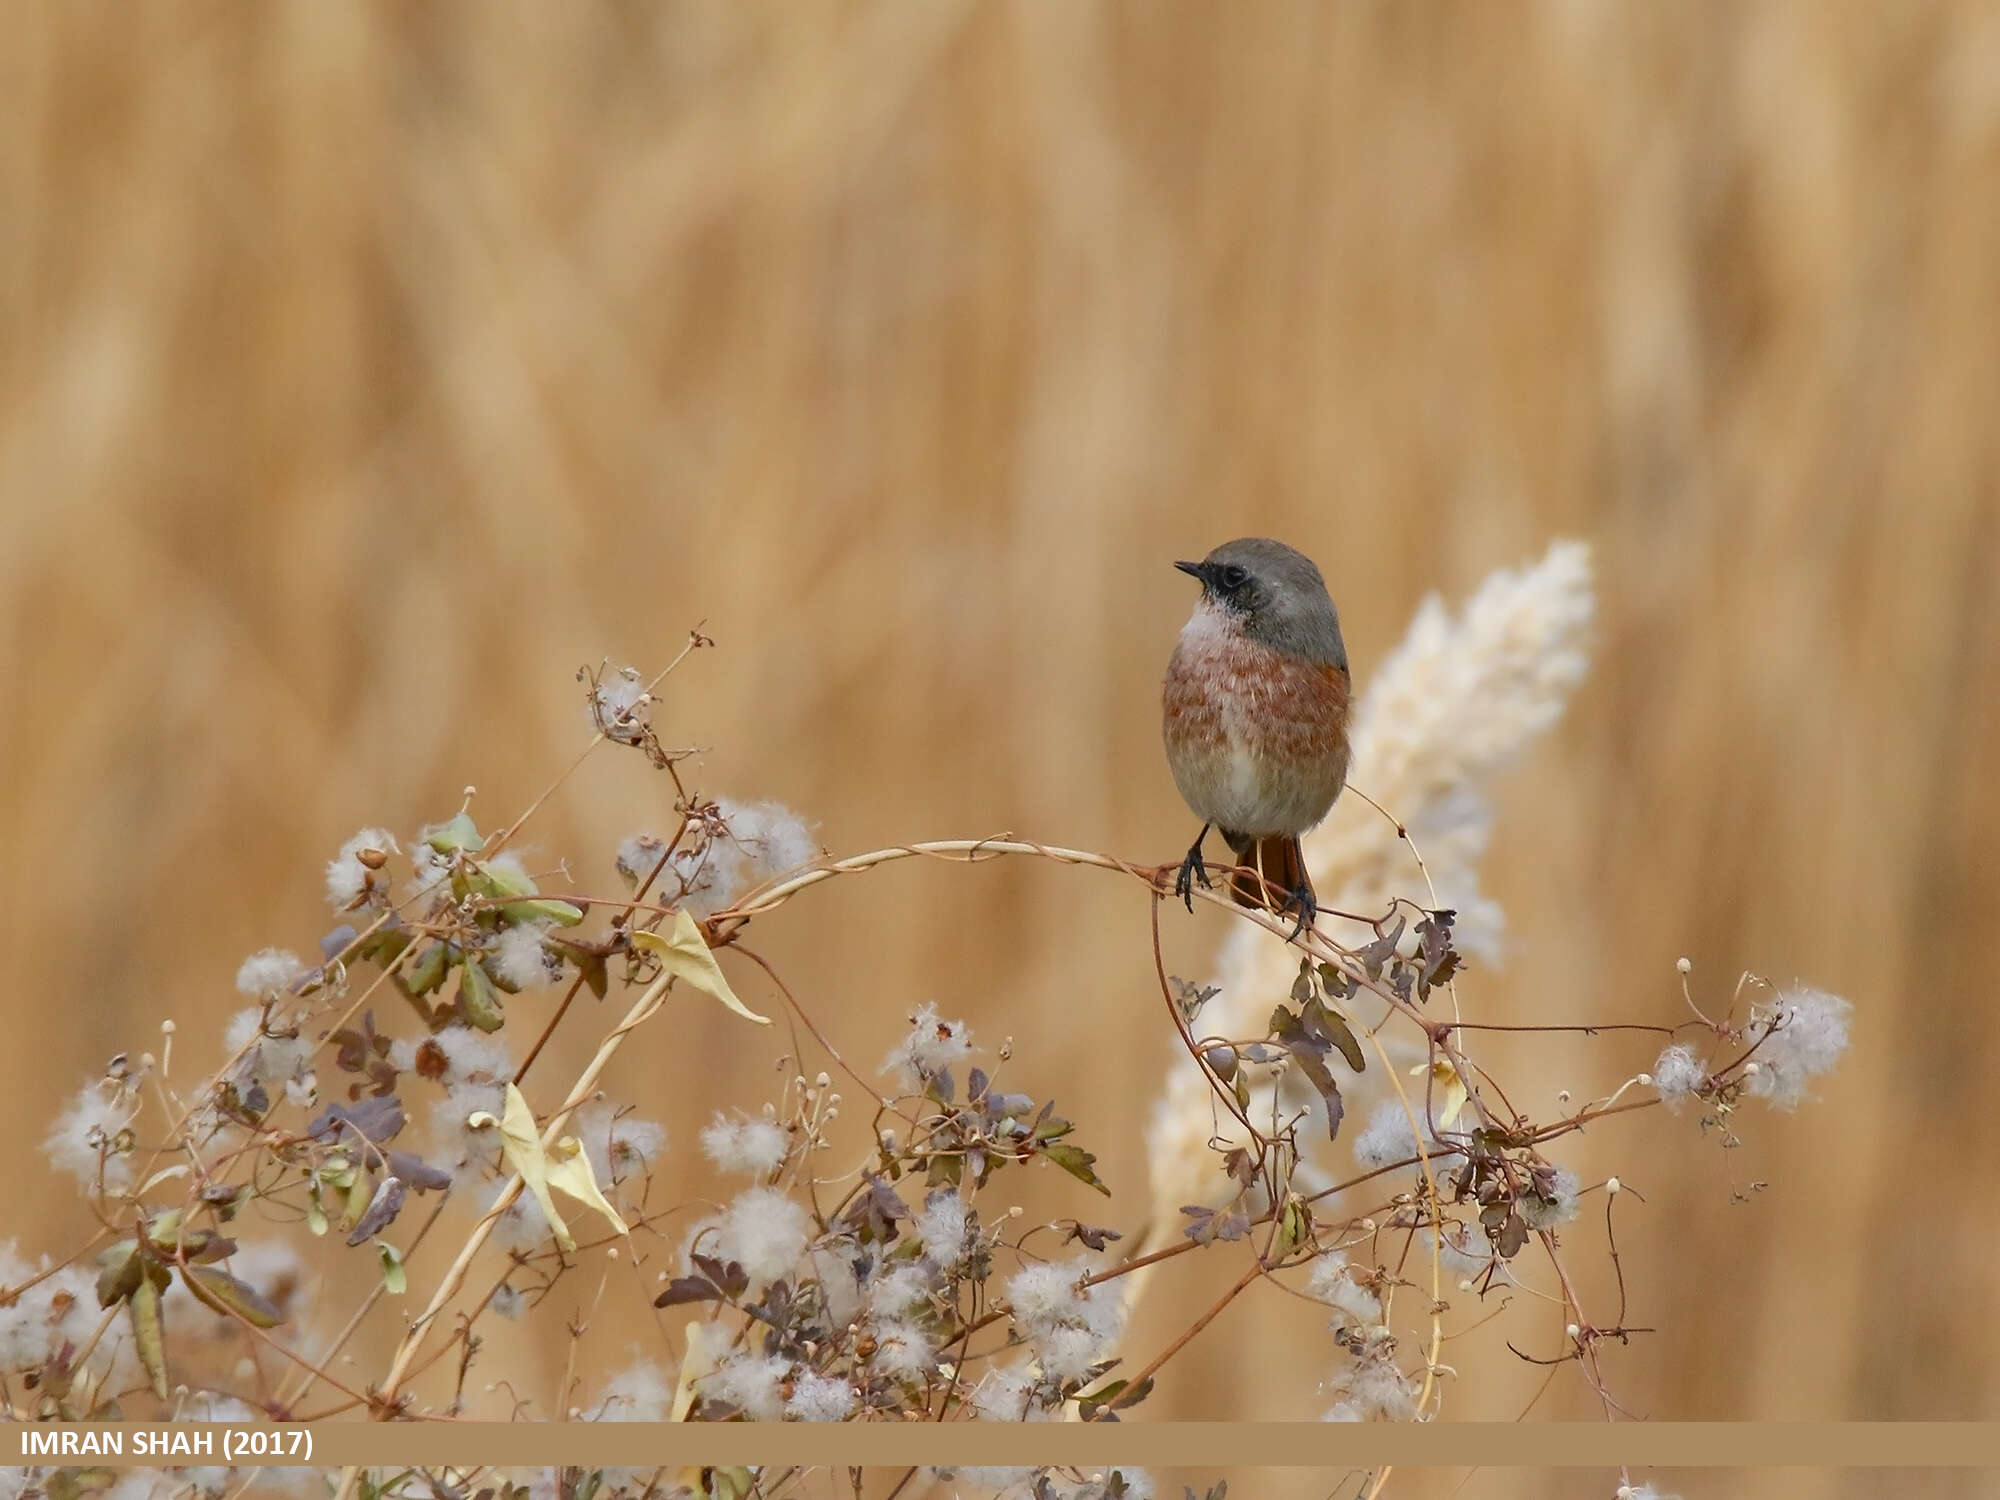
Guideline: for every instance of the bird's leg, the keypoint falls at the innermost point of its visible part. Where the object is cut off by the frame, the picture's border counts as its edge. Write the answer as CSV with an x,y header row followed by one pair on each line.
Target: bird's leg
x,y
1301,896
1192,869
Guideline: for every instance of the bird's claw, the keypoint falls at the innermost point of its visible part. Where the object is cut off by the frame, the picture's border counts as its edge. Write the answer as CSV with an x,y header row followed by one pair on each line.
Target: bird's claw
x,y
1193,868
1302,898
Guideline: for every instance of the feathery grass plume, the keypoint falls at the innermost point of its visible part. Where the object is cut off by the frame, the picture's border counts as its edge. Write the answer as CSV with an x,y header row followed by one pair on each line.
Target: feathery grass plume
x,y
1449,708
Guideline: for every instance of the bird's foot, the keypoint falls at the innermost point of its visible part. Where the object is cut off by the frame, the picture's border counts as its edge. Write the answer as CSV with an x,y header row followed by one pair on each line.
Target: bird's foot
x,y
1193,868
1302,899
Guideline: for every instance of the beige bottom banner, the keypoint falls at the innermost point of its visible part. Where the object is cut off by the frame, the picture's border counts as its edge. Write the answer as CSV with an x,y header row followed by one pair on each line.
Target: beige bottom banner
x,y
1912,1445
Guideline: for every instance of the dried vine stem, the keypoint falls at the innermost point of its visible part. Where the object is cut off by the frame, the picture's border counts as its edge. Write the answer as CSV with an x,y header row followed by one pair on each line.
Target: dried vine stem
x,y
643,1009
769,897
970,851
723,927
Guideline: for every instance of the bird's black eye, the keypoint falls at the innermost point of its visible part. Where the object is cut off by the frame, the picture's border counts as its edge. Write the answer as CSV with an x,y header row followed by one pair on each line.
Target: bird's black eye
x,y
1233,577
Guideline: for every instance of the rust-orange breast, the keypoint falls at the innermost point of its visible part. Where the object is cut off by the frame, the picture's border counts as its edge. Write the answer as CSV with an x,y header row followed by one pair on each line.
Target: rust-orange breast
x,y
1256,737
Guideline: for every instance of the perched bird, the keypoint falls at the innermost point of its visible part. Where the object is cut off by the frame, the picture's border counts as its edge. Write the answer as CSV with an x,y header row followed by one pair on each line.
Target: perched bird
x,y
1255,717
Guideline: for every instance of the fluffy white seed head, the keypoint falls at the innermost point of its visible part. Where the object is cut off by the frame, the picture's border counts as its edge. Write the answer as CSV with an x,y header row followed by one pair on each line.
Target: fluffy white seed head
x,y
1556,1209
821,1398
1678,1074
1803,1032
753,1383
931,1046
944,1227
269,973
763,1231
353,876
621,1146
641,1393
93,1133
521,958
755,1147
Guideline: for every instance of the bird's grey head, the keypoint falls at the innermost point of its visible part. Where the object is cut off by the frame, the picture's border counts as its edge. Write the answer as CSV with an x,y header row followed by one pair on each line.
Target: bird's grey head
x,y
1275,594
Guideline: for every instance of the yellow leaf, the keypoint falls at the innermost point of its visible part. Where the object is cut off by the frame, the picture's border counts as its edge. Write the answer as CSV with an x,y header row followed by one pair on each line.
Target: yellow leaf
x,y
570,1173
684,955
521,1142
1455,1094
707,1343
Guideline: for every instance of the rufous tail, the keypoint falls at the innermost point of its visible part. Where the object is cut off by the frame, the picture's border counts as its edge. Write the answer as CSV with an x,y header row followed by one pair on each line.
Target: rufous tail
x,y
1278,859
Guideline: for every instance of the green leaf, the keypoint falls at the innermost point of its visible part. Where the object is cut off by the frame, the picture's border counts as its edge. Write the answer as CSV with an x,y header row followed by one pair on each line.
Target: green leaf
x,y
1077,1162
121,1273
1050,1128
227,1295
478,998
1119,1395
503,880
384,944
79,1484
1294,1226
394,1278
458,835
164,1228
359,1193
427,973
315,1211
545,908
149,1333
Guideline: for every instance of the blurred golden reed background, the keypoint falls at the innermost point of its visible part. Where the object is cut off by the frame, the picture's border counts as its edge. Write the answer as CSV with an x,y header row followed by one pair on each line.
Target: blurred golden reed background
x,y
364,369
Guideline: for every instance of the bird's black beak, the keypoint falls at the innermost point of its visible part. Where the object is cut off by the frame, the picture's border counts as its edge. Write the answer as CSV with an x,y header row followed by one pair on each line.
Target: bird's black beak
x,y
1193,570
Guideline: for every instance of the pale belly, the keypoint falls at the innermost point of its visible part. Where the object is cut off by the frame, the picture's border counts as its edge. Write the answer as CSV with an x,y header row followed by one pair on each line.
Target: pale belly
x,y
1235,787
